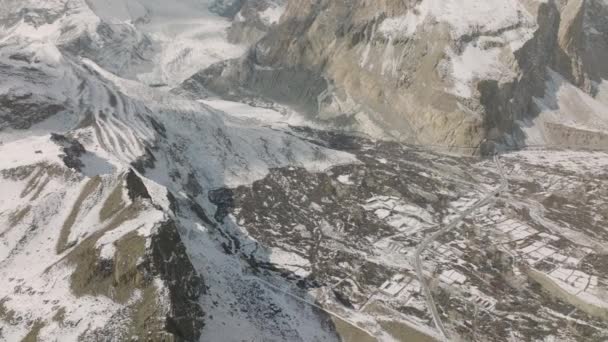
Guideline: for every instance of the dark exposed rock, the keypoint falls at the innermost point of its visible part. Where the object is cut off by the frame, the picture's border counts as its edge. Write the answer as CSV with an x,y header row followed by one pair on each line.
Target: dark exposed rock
x,y
170,260
224,200
136,187
192,185
144,162
200,213
72,150
173,204
158,127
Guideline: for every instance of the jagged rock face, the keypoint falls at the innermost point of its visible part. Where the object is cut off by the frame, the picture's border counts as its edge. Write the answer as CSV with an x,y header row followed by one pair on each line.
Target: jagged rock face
x,y
582,39
185,320
422,71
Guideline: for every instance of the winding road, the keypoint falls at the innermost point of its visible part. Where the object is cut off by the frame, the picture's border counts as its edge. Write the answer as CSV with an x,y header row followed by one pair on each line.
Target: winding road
x,y
430,239
417,262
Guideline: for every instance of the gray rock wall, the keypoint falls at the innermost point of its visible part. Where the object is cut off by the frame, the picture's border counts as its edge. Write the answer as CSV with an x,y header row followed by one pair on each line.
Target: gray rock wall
x,y
400,86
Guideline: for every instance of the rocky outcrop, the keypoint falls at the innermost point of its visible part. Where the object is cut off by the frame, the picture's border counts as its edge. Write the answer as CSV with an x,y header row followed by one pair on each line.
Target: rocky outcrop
x,y
168,313
170,261
31,111
583,45
72,151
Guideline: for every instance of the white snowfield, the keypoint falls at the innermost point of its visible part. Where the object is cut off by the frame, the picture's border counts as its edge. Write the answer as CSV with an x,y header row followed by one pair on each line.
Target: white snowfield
x,y
35,277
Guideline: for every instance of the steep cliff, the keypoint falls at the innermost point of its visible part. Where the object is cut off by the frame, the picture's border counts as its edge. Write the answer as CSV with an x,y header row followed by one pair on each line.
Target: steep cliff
x,y
452,73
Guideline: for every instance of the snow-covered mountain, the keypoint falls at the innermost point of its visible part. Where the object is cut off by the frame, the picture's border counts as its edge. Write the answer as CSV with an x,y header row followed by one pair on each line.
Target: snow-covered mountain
x,y
173,170
101,174
453,73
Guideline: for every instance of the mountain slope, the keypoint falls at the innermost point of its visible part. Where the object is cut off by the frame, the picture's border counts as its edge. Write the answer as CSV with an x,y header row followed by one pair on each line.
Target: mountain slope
x,y
101,177
457,73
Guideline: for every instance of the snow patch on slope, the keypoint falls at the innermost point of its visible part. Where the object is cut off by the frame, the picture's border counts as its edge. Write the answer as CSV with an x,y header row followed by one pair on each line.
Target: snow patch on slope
x,y
567,105
182,36
36,278
242,302
53,71
465,17
229,150
490,28
254,113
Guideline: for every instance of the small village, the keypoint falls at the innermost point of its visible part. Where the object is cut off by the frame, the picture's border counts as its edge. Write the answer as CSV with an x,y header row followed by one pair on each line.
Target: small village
x,y
510,263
